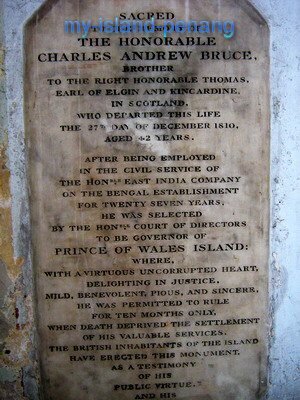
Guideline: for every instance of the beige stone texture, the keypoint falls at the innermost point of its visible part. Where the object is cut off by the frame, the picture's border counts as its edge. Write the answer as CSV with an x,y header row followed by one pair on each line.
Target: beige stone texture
x,y
111,209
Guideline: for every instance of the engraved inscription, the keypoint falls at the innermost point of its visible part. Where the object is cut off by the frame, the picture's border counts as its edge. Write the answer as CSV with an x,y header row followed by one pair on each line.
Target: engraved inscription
x,y
148,168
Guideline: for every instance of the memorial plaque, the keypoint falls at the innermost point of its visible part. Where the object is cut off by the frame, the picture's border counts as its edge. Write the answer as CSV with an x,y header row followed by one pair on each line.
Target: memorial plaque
x,y
148,157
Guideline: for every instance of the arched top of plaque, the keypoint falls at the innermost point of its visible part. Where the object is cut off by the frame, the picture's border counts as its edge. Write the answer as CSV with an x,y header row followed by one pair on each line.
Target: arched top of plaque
x,y
245,5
